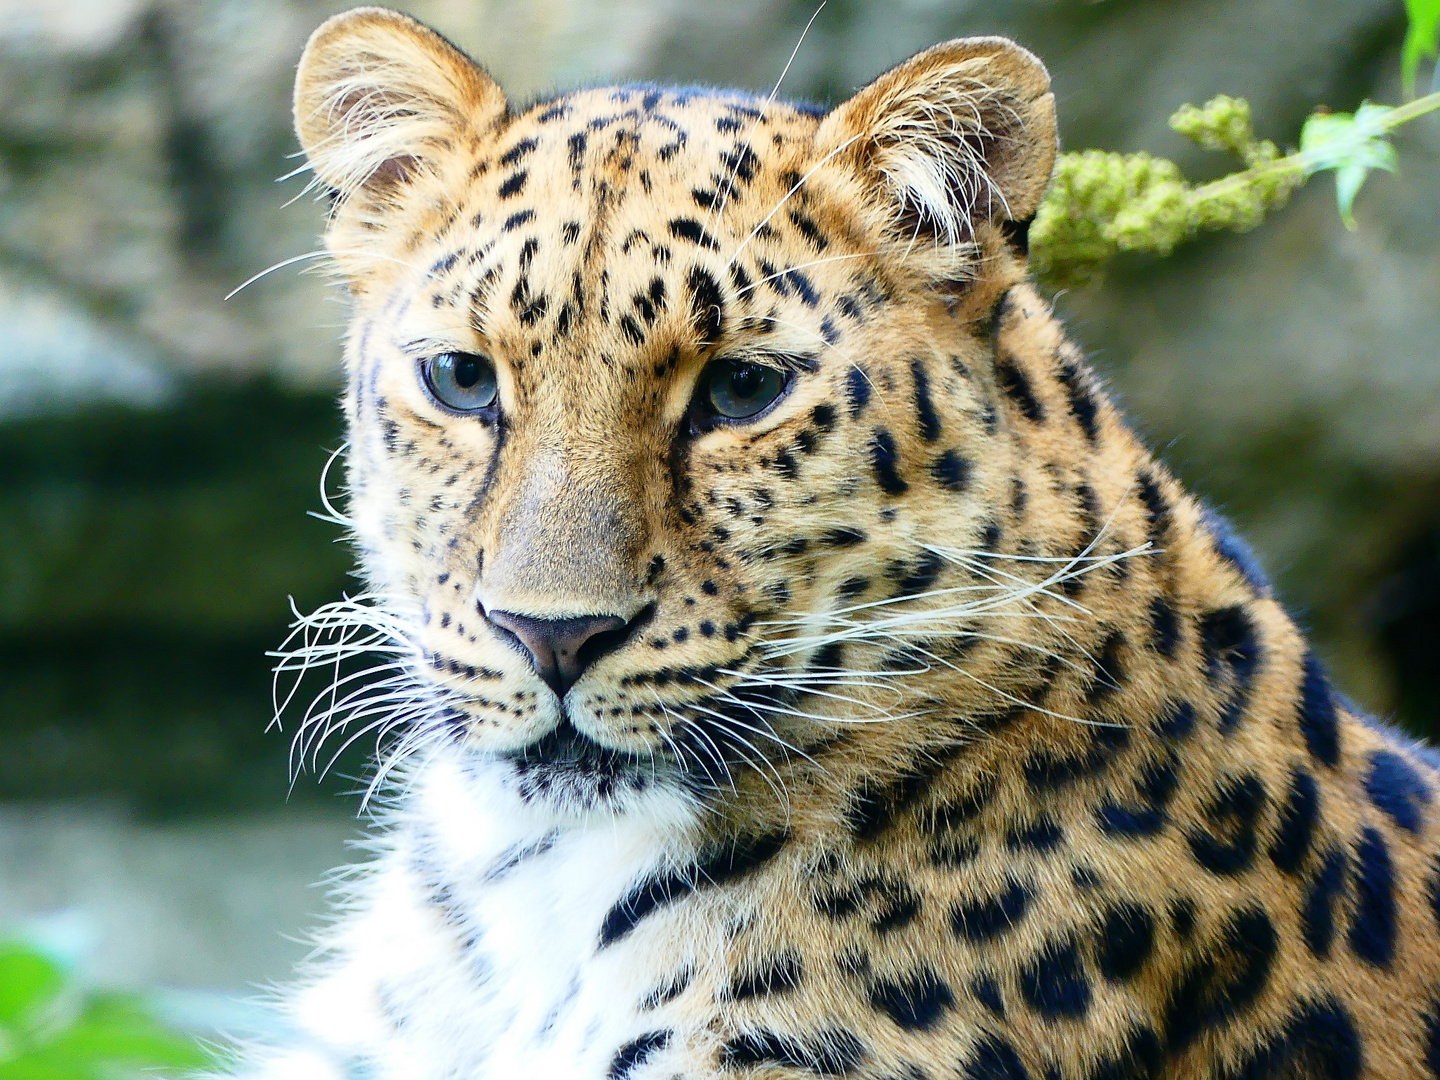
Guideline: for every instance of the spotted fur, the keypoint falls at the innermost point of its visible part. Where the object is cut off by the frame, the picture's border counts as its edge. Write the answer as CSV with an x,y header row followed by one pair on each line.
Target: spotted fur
x,y
947,736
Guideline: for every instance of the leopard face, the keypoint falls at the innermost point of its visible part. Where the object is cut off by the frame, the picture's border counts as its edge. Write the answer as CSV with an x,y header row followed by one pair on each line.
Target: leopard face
x,y
656,395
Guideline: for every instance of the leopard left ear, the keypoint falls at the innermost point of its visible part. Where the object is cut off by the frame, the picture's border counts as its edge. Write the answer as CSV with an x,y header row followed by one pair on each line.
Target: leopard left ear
x,y
961,133
380,96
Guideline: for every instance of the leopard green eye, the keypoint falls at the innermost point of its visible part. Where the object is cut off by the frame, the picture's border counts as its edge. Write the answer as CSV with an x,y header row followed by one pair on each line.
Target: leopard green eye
x,y
464,382
738,390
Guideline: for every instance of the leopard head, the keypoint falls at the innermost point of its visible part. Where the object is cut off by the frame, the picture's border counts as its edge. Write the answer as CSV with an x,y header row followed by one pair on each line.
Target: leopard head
x,y
659,398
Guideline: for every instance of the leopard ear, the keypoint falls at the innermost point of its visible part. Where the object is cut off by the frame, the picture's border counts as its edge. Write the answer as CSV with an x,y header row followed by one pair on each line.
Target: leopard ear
x,y
378,96
961,133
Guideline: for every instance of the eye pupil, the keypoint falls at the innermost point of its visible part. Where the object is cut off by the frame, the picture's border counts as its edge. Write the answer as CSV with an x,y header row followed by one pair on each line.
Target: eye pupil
x,y
464,382
467,372
746,382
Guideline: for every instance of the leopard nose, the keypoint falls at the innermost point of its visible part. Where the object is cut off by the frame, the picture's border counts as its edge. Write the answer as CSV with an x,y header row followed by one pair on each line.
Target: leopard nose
x,y
561,649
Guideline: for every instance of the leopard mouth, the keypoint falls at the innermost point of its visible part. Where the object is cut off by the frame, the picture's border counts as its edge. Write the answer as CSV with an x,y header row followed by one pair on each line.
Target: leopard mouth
x,y
566,746
568,758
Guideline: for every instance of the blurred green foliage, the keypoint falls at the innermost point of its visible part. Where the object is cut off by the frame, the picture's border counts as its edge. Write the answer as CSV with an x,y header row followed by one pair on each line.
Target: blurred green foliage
x,y
54,1028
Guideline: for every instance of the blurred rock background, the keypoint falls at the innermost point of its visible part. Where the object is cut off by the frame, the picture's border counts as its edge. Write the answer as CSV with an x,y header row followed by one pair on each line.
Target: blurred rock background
x,y
160,446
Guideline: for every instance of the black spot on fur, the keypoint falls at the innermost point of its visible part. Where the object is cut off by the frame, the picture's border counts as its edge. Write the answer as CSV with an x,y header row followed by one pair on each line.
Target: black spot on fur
x,y
1297,823
1164,627
514,221
667,991
1176,721
1146,815
986,990
928,421
1141,1057
916,1002
885,461
691,230
1042,834
857,389
1182,917
1081,398
1054,982
1318,1042
1234,817
777,975
632,331
1017,233
991,916
1126,938
707,305
1157,510
1230,642
726,865
842,537
1373,927
1432,1039
995,1059
514,155
808,229
1317,913
1318,716
826,1053
1396,787
528,309
1224,981
513,185
636,1053
1016,384
951,471
575,147
912,579
1109,673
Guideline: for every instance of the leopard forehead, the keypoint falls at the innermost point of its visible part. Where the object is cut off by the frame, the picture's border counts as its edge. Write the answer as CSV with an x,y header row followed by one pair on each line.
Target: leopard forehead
x,y
608,231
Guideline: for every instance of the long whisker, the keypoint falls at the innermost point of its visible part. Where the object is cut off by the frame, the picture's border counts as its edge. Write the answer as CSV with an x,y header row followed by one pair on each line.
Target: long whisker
x,y
309,255
718,209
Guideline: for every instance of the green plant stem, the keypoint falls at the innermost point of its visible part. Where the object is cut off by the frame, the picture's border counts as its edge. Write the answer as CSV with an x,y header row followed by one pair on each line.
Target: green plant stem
x,y
1303,162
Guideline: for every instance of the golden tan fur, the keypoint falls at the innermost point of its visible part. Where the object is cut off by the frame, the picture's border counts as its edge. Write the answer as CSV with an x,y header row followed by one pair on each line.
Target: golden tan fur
x,y
1005,756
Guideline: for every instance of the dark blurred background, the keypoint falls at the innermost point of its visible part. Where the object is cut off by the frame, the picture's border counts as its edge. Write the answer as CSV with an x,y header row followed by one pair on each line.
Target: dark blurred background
x,y
160,446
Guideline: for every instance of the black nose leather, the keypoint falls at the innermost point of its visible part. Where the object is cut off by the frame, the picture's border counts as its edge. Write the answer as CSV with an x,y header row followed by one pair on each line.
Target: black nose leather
x,y
562,649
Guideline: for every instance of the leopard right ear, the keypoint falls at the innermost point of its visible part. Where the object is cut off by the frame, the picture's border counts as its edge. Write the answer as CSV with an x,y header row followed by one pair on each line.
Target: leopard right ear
x,y
379,96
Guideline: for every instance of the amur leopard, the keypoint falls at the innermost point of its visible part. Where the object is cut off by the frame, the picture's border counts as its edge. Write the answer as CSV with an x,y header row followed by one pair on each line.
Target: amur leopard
x,y
799,668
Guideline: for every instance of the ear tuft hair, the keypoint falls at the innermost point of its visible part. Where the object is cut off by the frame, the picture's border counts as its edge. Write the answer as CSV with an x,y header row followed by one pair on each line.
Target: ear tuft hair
x,y
960,133
377,94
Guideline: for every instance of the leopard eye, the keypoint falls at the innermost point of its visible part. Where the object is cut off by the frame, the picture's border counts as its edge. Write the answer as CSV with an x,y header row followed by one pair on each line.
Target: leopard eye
x,y
738,390
464,382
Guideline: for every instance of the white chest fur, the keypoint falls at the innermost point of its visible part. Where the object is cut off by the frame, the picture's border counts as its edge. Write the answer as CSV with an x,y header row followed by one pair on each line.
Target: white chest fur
x,y
469,947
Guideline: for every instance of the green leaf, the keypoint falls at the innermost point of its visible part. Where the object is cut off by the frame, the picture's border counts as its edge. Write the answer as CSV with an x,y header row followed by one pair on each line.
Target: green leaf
x,y
1421,40
29,980
1351,146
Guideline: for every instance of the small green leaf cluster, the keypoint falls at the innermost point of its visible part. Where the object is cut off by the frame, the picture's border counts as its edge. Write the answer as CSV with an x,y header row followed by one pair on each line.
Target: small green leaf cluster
x,y
1100,204
51,1028
1351,145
